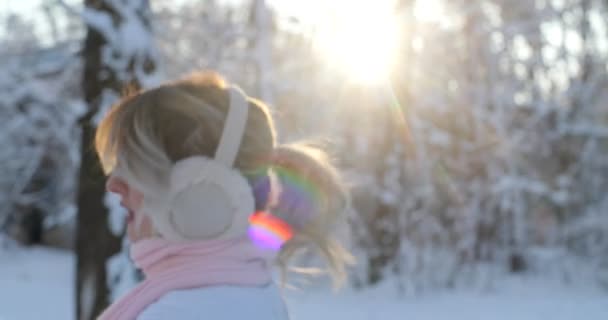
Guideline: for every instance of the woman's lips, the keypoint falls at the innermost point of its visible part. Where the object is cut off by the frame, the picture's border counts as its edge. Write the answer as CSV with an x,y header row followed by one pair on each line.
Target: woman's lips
x,y
130,216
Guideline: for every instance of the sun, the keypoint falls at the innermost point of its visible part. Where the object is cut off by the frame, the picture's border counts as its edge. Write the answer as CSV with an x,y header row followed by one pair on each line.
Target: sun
x,y
429,10
360,39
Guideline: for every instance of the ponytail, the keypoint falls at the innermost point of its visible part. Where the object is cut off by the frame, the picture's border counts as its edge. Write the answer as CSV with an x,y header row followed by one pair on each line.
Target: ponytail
x,y
312,201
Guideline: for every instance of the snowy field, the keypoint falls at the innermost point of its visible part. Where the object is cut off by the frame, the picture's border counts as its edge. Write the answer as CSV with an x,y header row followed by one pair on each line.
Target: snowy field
x,y
37,284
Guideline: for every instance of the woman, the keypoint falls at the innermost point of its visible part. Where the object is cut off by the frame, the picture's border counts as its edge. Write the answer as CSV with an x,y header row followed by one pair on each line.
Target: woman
x,y
213,201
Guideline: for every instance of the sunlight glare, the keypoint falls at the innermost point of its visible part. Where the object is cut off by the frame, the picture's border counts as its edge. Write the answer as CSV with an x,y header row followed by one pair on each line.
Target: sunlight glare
x,y
361,40
428,10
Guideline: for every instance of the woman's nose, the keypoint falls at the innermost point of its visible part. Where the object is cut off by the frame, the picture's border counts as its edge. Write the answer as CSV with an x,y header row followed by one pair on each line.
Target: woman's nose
x,y
117,185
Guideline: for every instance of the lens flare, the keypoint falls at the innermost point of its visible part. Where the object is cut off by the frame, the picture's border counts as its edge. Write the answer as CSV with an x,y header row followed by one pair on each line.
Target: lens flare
x,y
268,231
297,201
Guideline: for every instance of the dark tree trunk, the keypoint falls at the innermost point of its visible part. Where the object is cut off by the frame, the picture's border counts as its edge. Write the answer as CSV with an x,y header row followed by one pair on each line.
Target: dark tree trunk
x,y
95,242
386,243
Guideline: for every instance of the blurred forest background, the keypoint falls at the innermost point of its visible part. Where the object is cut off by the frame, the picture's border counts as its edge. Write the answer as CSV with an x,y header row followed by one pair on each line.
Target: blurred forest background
x,y
473,134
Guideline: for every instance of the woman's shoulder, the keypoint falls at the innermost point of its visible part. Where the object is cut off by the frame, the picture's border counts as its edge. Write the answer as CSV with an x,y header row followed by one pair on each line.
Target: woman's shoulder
x,y
219,303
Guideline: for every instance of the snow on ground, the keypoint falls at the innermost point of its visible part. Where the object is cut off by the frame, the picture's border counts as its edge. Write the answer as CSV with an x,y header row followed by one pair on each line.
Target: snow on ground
x,y
37,284
517,300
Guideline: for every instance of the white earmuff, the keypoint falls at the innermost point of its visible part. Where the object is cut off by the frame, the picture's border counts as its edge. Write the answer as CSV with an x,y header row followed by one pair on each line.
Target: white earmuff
x,y
208,198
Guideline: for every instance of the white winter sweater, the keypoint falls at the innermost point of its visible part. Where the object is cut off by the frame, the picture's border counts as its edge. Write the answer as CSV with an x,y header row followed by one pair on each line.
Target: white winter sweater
x,y
219,303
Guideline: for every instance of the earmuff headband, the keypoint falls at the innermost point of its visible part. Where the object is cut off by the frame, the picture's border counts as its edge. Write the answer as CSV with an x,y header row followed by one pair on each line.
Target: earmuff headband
x,y
234,127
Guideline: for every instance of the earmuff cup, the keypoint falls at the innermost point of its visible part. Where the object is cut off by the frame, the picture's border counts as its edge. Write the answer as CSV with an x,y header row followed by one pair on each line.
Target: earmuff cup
x,y
215,203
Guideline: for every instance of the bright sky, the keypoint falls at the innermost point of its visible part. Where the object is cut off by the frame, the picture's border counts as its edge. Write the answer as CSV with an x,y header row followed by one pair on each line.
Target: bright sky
x,y
357,36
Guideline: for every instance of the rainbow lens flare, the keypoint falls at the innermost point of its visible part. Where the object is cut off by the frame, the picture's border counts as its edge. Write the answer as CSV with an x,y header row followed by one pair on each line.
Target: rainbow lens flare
x,y
268,231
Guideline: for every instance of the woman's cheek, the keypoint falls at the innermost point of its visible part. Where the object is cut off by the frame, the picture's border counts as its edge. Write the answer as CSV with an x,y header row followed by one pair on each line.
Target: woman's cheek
x,y
145,230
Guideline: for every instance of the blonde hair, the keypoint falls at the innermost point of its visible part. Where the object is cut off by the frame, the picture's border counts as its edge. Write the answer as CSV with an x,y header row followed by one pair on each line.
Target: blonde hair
x,y
147,132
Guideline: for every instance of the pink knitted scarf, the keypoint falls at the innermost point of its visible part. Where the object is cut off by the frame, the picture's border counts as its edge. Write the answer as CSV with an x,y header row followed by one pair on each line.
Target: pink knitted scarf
x,y
172,266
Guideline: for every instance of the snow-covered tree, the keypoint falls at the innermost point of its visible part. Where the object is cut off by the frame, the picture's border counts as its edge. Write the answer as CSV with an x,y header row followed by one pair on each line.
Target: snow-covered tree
x,y
236,40
39,104
496,146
